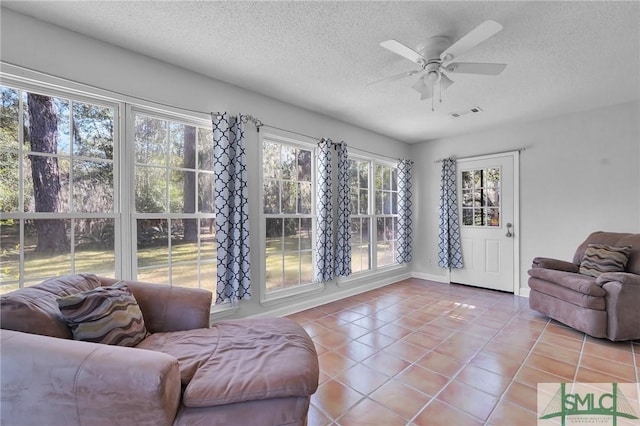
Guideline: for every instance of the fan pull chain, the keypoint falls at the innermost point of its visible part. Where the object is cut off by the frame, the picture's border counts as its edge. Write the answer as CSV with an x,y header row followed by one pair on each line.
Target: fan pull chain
x,y
432,109
440,90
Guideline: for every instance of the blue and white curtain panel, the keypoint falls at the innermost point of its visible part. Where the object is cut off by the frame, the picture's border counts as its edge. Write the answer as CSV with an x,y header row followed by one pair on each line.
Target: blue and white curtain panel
x,y
343,237
404,252
232,209
450,248
324,212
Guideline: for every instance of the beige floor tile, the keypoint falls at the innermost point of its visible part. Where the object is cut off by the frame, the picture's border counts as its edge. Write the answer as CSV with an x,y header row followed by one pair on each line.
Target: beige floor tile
x,y
361,378
484,380
400,398
334,398
442,364
426,381
522,395
332,363
468,399
507,413
438,413
356,351
405,351
386,364
368,413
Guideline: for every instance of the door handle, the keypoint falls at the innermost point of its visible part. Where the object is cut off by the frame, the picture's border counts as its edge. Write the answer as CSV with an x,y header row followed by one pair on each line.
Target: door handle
x,y
509,234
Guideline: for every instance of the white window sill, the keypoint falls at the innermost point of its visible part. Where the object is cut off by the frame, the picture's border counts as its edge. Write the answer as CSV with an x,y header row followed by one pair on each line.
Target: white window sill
x,y
221,311
366,275
281,296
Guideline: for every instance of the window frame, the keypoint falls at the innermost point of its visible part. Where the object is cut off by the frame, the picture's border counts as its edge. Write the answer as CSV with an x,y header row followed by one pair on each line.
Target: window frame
x,y
134,215
384,216
371,204
295,141
373,237
123,161
45,88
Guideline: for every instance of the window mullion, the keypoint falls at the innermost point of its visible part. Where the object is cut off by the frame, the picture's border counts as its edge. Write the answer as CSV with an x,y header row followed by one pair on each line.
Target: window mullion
x,y
127,238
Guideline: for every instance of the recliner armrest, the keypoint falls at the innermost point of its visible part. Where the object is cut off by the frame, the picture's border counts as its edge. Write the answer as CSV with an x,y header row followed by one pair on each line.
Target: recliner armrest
x,y
558,265
54,381
622,299
170,308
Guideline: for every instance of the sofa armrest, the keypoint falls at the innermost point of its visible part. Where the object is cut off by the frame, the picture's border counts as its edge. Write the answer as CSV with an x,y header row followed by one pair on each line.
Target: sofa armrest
x,y
622,300
170,308
54,381
558,265
621,277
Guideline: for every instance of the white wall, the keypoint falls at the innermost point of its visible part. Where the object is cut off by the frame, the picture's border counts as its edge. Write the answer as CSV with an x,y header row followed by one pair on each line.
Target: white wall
x,y
33,44
579,173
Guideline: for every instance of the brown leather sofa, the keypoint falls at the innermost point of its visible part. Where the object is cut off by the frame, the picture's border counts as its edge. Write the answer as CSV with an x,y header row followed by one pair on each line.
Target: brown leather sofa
x,y
604,306
241,372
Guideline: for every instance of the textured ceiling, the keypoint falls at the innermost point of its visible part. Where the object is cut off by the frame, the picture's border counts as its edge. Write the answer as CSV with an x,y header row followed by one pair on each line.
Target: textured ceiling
x,y
562,56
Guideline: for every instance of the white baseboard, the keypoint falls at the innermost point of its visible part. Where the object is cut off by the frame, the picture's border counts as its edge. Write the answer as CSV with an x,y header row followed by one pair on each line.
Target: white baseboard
x,y
430,277
524,292
317,301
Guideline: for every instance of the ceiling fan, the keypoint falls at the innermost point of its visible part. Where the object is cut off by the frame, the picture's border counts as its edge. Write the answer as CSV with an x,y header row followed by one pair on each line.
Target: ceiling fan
x,y
436,60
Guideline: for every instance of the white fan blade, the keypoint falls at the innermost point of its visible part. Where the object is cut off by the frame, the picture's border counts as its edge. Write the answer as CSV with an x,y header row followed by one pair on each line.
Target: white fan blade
x,y
400,49
471,39
475,68
396,77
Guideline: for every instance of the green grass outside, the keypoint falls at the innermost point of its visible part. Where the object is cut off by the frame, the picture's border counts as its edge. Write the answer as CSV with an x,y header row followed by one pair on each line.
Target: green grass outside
x,y
285,269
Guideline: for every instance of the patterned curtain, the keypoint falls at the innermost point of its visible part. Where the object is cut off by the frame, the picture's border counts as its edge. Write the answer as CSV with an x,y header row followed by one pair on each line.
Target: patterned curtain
x,y
343,237
232,209
404,254
324,240
450,254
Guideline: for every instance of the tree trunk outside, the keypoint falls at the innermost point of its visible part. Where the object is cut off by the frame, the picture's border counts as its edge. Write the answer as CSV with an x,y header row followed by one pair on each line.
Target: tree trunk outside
x,y
43,130
190,225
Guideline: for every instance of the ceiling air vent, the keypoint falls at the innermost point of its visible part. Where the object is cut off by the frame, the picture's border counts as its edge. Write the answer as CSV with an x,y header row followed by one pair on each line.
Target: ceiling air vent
x,y
459,114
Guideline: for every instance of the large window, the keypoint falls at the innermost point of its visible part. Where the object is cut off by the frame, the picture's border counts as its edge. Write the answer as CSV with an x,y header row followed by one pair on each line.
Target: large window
x,y
174,211
386,214
70,204
57,200
374,199
287,177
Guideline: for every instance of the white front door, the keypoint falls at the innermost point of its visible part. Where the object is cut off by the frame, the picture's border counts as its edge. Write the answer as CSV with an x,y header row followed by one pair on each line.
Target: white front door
x,y
487,203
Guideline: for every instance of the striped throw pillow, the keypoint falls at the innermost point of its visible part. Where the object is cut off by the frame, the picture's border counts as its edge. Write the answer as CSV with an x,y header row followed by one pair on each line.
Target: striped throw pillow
x,y
108,315
601,258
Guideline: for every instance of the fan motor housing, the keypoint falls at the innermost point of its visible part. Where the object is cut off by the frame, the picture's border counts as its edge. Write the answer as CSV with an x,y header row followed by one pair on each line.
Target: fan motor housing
x,y
433,47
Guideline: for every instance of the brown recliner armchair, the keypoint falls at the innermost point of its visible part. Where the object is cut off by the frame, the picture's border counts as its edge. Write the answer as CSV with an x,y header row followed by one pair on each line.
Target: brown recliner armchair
x,y
602,306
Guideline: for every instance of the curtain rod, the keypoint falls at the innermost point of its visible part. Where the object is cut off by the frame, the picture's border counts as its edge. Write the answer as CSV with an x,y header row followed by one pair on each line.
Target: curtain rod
x,y
317,139
482,155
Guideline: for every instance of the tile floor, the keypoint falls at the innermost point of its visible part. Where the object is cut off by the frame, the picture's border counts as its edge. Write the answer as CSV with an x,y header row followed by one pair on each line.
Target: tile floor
x,y
423,353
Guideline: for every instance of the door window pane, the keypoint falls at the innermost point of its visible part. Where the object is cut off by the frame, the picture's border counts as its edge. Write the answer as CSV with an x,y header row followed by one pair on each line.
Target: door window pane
x,y
480,197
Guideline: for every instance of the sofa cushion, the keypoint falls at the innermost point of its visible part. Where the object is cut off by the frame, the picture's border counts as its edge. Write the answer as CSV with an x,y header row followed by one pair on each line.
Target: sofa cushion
x,y
35,310
600,258
241,360
108,315
576,282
